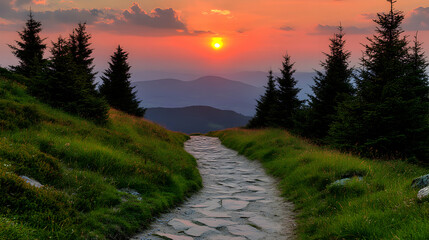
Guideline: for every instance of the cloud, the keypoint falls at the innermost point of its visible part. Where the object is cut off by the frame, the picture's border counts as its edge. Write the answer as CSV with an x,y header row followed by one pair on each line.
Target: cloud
x,y
159,22
219,12
133,21
72,16
18,3
418,19
286,28
158,18
328,30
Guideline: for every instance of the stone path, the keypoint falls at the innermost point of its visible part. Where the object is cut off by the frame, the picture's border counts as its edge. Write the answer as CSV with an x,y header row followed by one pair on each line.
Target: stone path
x,y
238,201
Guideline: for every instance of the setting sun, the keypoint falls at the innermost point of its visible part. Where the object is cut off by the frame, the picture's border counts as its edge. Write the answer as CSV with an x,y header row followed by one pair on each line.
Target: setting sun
x,y
217,43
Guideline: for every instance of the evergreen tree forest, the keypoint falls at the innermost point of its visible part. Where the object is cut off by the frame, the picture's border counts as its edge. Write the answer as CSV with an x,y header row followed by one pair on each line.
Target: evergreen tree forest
x,y
66,79
379,110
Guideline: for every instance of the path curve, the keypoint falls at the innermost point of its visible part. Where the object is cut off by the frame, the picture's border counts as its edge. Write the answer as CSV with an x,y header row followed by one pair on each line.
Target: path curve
x,y
238,202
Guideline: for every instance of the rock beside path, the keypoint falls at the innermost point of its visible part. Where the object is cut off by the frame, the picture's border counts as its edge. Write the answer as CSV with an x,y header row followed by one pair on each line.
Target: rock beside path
x,y
420,182
423,193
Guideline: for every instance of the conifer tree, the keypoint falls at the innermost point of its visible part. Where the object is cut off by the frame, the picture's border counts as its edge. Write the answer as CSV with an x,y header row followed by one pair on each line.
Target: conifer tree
x,y
266,115
81,53
116,87
382,119
67,87
332,87
30,49
287,95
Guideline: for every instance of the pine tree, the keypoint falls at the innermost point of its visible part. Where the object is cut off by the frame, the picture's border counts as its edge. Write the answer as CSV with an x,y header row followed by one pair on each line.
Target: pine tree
x,y
68,88
416,103
287,94
266,115
332,87
30,50
116,87
382,119
81,53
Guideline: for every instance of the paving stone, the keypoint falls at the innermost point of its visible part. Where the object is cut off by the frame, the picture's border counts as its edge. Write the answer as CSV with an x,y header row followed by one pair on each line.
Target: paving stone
x,y
234,204
249,198
212,204
246,214
198,231
215,222
256,189
246,231
199,206
180,224
213,214
266,224
222,237
230,181
172,236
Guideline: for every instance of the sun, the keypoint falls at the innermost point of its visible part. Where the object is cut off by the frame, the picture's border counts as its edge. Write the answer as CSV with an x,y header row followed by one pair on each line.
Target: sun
x,y
217,43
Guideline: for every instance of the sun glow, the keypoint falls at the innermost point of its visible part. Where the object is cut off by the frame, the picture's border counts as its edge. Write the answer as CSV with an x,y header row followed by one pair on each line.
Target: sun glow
x,y
217,43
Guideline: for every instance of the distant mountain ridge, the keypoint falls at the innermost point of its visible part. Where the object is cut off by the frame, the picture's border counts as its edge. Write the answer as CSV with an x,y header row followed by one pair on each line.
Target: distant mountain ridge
x,y
218,92
196,119
211,91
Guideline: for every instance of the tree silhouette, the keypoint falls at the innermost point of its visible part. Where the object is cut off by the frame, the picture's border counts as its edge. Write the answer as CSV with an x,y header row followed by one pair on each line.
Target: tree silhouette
x,y
266,107
116,87
81,53
287,95
68,89
383,119
30,49
332,87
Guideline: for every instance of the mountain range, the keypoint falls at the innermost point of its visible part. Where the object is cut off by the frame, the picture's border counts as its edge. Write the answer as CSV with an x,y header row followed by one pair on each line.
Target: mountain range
x,y
210,91
218,92
196,119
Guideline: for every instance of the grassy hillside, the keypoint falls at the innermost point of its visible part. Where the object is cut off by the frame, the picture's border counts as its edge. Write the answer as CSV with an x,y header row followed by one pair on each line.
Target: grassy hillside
x,y
381,206
99,182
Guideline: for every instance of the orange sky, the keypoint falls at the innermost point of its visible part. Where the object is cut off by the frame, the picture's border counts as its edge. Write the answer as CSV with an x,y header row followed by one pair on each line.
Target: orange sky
x,y
256,33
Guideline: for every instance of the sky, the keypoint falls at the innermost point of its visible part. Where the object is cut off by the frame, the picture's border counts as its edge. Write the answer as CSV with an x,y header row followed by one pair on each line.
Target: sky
x,y
174,36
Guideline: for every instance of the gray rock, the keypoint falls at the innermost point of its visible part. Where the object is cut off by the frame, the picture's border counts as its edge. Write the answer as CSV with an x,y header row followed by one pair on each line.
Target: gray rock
x,y
130,191
234,204
222,237
214,222
249,198
266,224
180,224
246,231
423,193
172,237
344,181
256,189
198,231
420,182
31,181
214,214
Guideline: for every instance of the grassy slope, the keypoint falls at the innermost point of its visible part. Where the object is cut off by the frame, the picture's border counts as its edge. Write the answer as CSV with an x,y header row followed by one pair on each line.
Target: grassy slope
x,y
82,166
383,206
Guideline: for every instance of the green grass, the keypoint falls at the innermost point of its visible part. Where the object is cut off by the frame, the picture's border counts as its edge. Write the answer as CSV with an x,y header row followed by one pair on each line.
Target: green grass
x,y
382,206
85,169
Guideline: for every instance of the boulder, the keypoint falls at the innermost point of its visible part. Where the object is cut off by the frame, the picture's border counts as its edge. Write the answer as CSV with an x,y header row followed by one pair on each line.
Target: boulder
x,y
31,181
423,193
344,181
420,182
